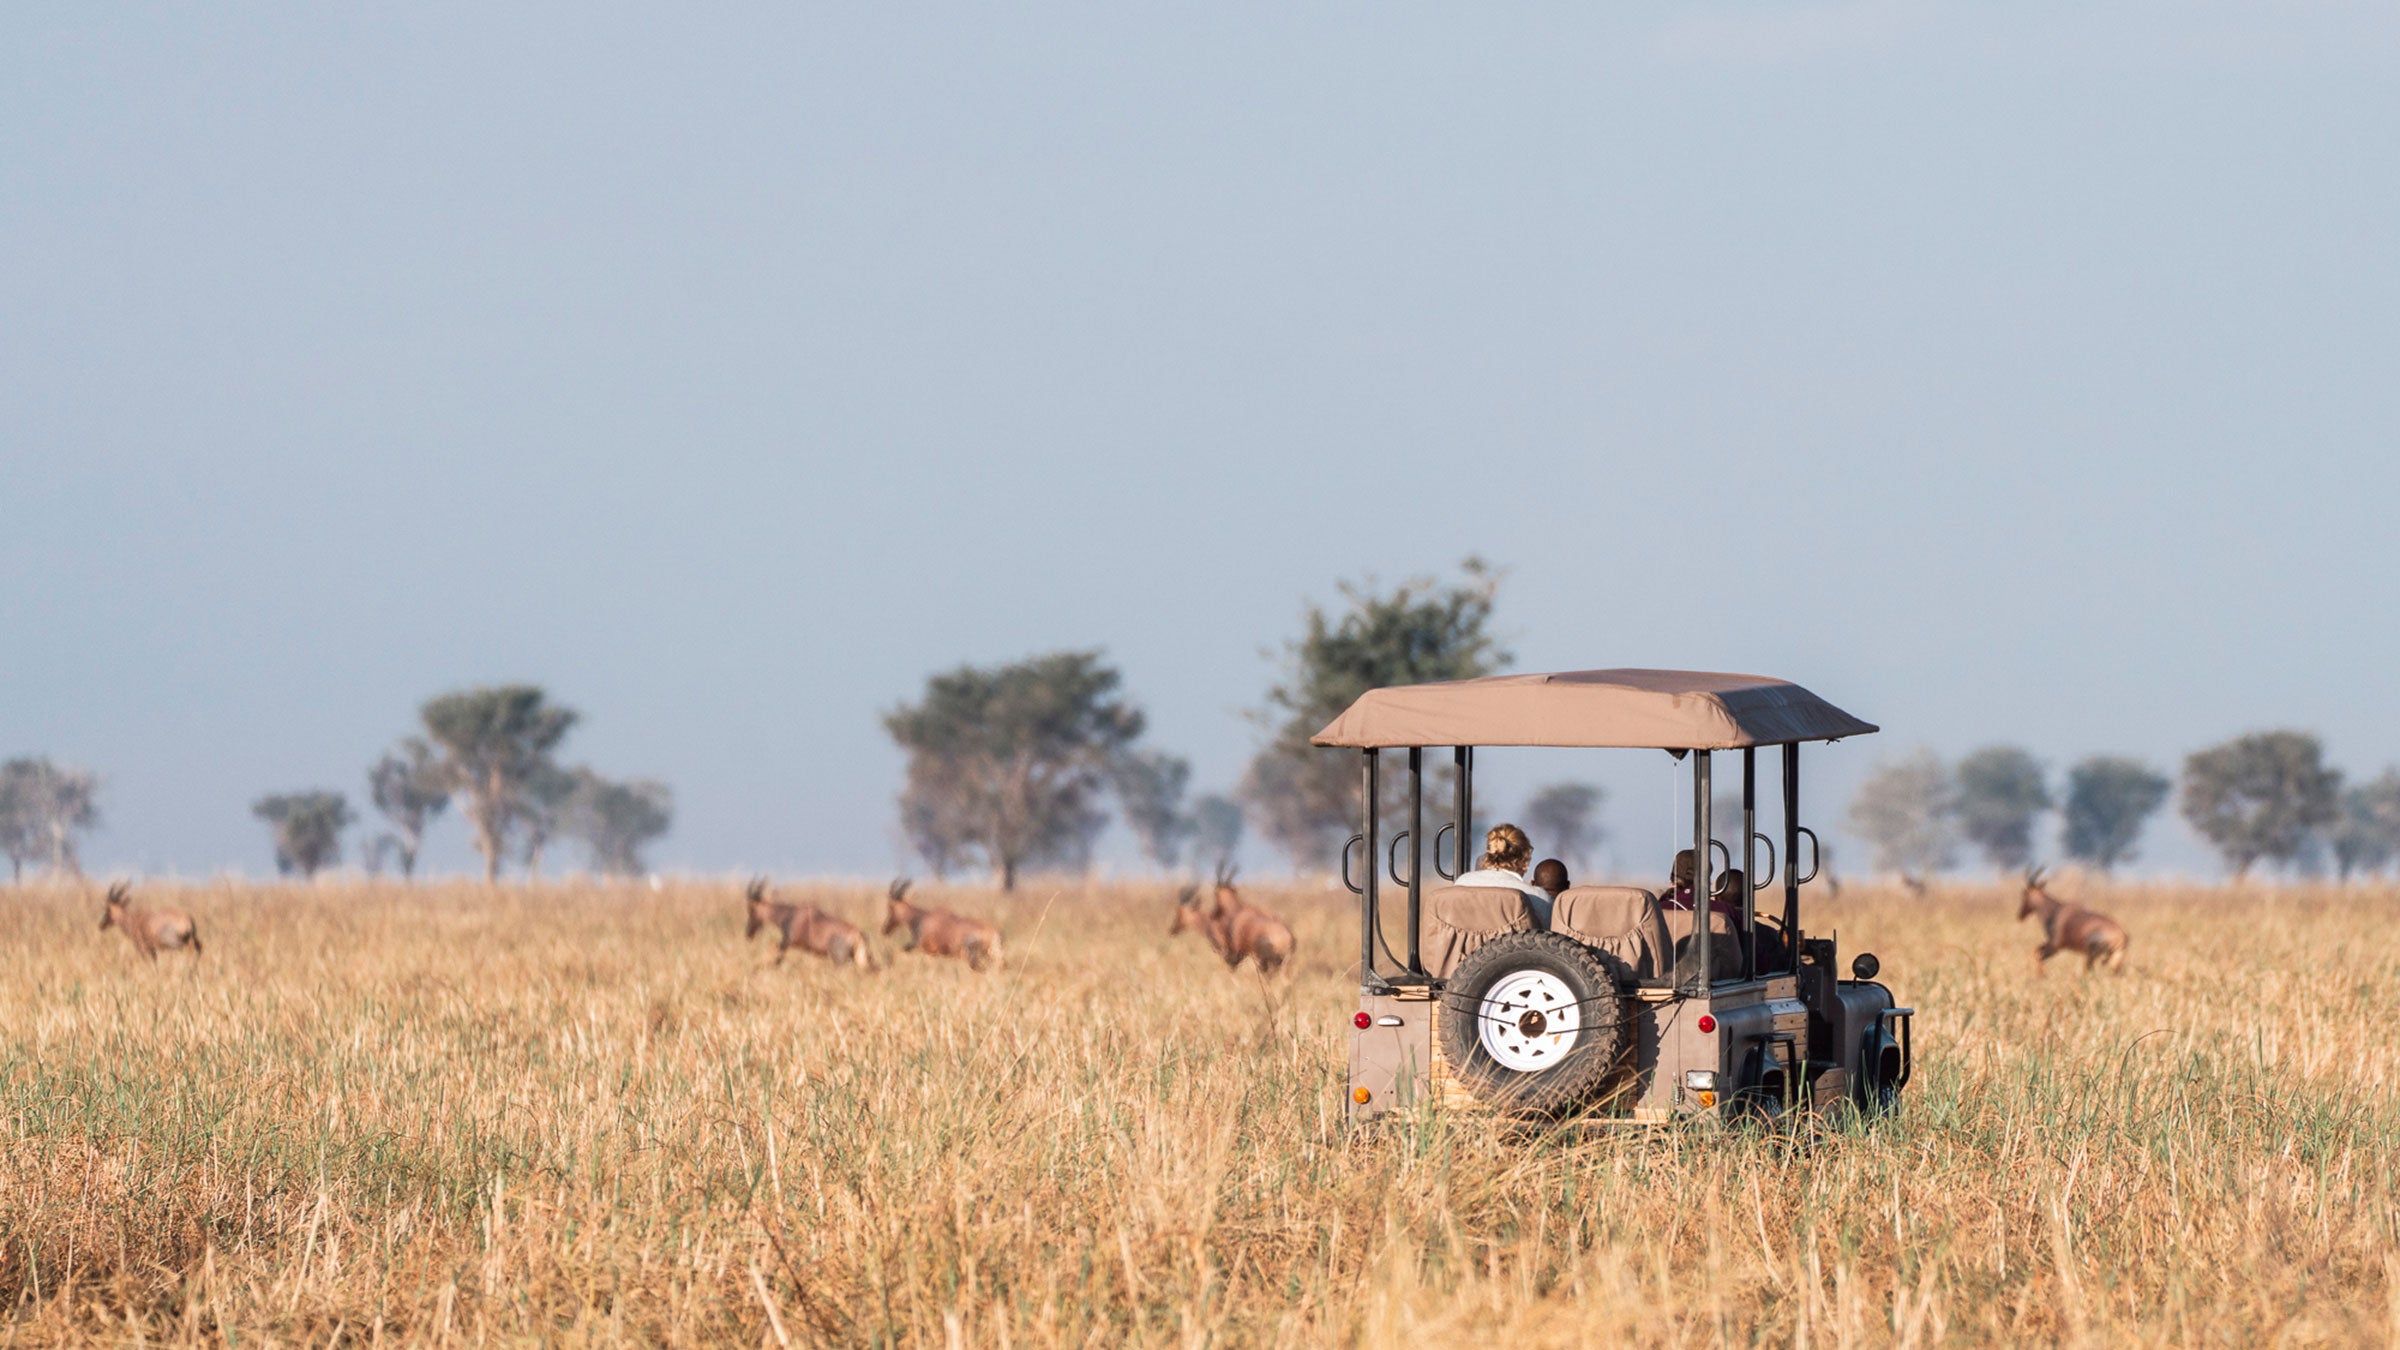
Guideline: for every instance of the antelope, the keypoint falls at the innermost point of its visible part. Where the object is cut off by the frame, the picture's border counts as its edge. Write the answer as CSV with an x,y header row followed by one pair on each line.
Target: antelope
x,y
939,933
150,929
2070,927
1239,930
808,928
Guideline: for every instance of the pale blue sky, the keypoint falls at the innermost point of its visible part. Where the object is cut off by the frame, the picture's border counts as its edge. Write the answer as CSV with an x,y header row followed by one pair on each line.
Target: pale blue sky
x,y
2016,373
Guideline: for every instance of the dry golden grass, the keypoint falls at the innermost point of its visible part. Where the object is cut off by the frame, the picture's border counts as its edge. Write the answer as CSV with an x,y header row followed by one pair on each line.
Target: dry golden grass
x,y
579,1113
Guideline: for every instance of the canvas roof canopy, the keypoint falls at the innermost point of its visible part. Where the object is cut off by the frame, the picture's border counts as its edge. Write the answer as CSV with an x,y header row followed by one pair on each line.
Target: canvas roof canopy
x,y
1647,709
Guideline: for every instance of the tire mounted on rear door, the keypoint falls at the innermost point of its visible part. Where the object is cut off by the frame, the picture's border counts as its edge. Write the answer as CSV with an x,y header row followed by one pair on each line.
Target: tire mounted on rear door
x,y
1534,1023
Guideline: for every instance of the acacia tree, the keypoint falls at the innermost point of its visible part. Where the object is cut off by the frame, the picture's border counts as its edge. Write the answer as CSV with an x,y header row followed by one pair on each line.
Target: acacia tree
x,y
1216,830
408,787
308,829
616,821
1564,819
1014,758
1906,810
1150,786
2365,837
2000,796
1425,630
539,810
494,743
43,807
2260,796
2109,799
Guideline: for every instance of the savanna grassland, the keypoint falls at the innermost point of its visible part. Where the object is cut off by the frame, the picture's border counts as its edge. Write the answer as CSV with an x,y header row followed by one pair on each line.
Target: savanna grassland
x,y
580,1113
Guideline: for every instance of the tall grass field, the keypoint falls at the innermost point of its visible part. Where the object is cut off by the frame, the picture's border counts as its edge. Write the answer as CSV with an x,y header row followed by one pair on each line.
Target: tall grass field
x,y
583,1113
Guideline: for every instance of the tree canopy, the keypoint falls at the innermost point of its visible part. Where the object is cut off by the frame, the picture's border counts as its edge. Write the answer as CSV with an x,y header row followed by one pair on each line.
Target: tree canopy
x,y
409,788
2001,794
495,745
1906,811
1306,799
1150,786
1564,820
2109,800
616,821
2365,835
2260,796
44,807
307,827
1008,763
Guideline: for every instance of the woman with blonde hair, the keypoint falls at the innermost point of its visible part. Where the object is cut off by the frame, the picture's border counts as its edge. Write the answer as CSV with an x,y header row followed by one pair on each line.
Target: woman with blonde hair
x,y
1506,855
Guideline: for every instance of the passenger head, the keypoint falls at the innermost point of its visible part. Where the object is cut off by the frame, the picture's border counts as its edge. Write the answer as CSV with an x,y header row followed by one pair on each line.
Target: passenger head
x,y
1507,849
1729,885
1682,875
1551,875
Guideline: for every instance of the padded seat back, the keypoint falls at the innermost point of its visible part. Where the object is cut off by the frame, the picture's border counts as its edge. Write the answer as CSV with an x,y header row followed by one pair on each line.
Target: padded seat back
x,y
1620,920
1459,919
1724,942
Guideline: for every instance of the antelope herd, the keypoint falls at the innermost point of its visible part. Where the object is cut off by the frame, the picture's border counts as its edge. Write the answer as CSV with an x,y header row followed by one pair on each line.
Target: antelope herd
x,y
1236,930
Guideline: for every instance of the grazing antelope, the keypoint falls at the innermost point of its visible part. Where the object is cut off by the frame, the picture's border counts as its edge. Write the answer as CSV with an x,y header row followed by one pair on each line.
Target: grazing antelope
x,y
2070,927
939,933
808,928
150,929
1239,930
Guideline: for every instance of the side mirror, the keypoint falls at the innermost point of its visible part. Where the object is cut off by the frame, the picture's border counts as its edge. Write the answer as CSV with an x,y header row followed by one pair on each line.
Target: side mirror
x,y
1865,965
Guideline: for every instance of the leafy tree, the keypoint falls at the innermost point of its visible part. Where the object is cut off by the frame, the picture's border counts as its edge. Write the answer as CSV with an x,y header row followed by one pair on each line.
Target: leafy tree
x,y
934,816
308,829
44,806
2366,835
2001,793
1564,820
1150,785
22,835
539,808
2260,796
1014,757
1306,799
1216,830
2109,799
495,742
407,785
1907,813
617,820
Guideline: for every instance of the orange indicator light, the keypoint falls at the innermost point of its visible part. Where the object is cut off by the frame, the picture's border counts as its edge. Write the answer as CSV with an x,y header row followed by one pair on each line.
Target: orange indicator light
x,y
1360,1095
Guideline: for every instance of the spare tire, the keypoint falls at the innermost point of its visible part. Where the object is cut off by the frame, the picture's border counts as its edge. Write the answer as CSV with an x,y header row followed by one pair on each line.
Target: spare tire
x,y
1534,1023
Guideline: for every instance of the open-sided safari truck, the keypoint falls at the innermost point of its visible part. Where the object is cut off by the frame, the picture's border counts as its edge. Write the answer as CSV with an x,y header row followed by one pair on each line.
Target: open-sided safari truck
x,y
1621,1007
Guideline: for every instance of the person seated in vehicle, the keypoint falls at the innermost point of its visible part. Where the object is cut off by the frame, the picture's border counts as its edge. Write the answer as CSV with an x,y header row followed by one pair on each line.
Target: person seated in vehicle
x,y
1725,898
1506,855
1678,894
1551,875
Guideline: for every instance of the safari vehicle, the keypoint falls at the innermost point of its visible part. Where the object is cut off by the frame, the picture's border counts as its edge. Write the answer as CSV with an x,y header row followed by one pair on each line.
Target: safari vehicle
x,y
1621,1008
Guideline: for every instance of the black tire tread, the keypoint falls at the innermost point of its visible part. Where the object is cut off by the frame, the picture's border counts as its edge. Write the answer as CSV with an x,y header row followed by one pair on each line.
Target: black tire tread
x,y
1602,981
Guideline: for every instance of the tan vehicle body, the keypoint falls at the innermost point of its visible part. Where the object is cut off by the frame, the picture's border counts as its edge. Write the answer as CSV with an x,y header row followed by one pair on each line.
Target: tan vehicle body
x,y
940,933
807,927
2069,927
152,930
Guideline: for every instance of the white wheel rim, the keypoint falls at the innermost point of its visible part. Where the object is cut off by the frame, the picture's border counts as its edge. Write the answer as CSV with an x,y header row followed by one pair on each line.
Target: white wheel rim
x,y
1528,1020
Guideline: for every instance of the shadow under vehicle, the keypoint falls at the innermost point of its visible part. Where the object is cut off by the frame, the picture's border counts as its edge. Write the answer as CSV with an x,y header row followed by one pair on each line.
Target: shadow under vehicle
x,y
1621,1006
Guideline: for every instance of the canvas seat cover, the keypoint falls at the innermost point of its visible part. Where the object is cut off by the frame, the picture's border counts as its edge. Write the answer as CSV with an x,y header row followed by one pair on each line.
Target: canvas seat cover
x,y
1724,941
1457,920
1621,920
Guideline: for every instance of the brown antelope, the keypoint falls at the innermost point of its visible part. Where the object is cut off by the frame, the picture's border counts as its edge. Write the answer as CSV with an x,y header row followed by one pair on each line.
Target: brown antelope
x,y
1239,930
808,928
2070,927
150,929
939,933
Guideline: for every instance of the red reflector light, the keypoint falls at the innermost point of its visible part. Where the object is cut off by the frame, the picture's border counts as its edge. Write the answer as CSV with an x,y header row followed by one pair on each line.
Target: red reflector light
x,y
1707,1023
1362,1021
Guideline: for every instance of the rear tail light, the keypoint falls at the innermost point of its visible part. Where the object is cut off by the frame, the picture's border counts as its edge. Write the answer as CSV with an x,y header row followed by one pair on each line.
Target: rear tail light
x,y
1707,1024
1362,1021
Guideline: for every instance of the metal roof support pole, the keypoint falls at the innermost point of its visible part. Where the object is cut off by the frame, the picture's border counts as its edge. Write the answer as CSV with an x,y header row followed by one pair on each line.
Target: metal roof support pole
x,y
1464,758
1367,912
1416,852
1749,862
1702,864
1791,854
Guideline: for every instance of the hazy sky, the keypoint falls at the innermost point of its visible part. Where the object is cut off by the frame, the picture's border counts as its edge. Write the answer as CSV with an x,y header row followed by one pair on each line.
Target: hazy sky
x,y
2003,373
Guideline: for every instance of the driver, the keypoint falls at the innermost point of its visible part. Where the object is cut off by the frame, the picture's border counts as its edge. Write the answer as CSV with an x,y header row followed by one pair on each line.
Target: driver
x,y
1506,855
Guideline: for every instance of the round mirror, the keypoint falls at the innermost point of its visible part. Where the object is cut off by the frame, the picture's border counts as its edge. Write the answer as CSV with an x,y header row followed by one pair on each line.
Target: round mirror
x,y
1865,965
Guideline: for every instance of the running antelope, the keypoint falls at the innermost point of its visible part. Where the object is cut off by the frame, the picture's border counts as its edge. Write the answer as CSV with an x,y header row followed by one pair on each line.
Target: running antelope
x,y
939,933
808,928
150,929
1239,930
2070,927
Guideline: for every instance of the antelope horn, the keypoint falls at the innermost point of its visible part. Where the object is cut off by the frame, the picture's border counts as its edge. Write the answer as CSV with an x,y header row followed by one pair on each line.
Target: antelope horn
x,y
899,888
757,889
1187,895
117,891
